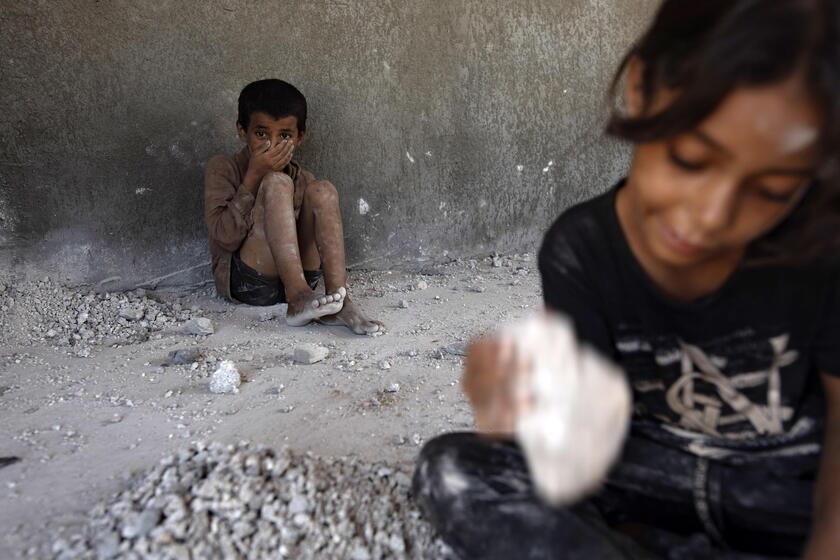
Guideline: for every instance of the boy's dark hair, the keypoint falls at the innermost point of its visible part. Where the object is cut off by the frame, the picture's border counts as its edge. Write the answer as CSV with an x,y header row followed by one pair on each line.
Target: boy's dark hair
x,y
274,97
705,49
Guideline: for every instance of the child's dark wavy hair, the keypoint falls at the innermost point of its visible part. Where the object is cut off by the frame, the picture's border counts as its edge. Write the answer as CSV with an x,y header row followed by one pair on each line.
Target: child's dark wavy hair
x,y
274,97
704,49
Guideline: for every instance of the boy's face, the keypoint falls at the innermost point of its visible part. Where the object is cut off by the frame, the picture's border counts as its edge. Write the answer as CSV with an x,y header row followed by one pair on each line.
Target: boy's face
x,y
705,195
264,128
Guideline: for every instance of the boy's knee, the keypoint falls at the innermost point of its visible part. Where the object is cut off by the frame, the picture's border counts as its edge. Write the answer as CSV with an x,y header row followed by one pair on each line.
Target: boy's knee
x,y
278,178
277,183
322,192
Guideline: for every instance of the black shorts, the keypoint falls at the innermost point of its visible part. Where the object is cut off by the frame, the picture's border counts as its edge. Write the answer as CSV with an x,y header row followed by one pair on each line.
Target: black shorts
x,y
254,288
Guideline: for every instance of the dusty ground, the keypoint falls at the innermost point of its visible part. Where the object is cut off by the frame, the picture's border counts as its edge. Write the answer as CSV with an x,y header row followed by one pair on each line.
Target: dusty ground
x,y
83,412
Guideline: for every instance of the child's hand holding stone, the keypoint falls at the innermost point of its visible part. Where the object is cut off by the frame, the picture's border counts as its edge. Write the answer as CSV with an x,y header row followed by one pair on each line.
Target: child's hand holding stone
x,y
568,406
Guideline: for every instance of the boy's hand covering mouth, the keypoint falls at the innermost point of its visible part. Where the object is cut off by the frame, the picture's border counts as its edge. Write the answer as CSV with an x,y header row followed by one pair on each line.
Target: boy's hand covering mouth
x,y
268,158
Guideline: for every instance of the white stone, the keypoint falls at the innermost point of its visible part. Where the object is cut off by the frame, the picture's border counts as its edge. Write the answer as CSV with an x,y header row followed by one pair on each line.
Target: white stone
x,y
580,412
310,353
225,379
421,285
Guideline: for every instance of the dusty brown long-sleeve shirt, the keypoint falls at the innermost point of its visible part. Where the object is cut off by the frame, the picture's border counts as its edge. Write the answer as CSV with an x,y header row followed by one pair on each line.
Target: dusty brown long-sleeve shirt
x,y
228,209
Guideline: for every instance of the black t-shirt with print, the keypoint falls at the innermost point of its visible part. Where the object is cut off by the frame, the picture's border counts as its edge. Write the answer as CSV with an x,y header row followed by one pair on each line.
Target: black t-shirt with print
x,y
732,376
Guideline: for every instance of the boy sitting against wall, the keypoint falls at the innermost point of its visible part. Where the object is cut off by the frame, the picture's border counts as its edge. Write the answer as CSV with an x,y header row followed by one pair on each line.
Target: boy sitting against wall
x,y
271,223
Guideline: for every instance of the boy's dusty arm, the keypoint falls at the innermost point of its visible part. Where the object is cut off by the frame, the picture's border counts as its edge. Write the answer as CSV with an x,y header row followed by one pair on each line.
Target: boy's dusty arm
x,y
227,206
825,535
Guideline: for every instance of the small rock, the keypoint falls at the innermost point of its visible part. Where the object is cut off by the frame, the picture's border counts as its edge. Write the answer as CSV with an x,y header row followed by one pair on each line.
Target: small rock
x,y
107,545
310,353
132,314
403,304
360,553
183,356
392,388
298,504
456,349
198,327
384,364
421,285
139,524
225,379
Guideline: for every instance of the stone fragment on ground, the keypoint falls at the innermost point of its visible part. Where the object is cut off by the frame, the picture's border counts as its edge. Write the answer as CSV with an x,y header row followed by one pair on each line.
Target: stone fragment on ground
x,y
183,356
226,378
200,326
310,353
456,348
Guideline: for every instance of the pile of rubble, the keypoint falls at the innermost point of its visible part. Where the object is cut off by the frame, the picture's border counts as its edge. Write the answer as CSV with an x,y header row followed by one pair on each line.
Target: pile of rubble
x,y
44,311
216,501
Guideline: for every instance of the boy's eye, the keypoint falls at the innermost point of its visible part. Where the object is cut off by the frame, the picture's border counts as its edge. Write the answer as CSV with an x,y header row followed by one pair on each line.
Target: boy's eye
x,y
260,133
285,135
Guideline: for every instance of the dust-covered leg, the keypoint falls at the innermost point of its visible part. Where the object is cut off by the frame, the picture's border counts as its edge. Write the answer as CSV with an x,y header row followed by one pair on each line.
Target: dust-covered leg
x,y
272,249
320,205
478,495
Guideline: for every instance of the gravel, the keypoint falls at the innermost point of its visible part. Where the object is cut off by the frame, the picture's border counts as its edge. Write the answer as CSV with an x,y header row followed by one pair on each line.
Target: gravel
x,y
217,501
80,318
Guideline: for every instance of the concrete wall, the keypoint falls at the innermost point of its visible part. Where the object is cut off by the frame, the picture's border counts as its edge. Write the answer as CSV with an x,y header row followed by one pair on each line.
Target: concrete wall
x,y
465,125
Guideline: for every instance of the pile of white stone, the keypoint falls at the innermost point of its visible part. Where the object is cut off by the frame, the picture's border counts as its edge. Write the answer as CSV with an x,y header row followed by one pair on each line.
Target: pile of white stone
x,y
45,311
246,501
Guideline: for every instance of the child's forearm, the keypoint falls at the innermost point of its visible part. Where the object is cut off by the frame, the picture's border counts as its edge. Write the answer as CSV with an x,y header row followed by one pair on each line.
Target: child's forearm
x,y
251,182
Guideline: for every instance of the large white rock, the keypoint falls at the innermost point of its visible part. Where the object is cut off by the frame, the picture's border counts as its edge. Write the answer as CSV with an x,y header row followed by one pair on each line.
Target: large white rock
x,y
225,379
577,412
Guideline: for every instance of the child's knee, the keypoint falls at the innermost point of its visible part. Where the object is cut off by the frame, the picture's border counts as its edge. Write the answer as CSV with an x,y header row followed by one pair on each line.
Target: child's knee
x,y
277,183
321,192
438,471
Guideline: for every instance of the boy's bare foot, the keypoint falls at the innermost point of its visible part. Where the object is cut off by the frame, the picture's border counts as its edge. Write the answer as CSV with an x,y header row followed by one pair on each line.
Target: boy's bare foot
x,y
310,307
352,317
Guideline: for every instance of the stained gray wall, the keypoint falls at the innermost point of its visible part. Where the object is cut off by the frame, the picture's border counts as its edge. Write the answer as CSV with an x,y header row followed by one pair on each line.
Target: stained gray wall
x,y
465,125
